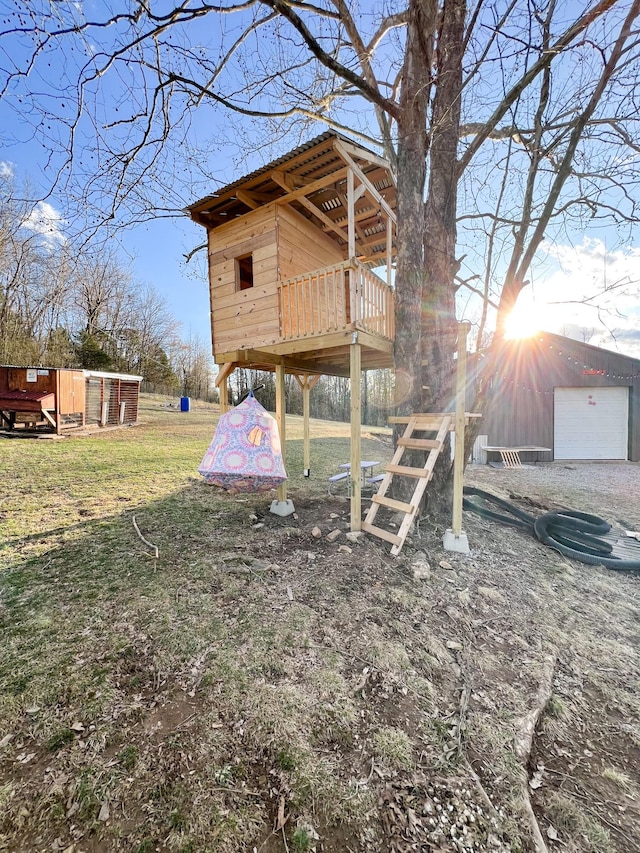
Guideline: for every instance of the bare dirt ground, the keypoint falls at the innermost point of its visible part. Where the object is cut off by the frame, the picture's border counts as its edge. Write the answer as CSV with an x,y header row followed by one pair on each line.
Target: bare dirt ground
x,y
272,689
530,661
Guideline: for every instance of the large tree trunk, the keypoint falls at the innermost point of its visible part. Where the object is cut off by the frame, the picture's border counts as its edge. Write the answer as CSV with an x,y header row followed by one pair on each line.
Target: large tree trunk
x,y
439,329
412,153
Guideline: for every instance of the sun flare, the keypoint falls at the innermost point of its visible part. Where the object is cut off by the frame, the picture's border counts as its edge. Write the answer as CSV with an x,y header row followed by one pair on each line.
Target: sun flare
x,y
523,322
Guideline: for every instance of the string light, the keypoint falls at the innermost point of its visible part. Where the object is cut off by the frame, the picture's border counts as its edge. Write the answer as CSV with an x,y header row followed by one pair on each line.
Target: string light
x,y
587,369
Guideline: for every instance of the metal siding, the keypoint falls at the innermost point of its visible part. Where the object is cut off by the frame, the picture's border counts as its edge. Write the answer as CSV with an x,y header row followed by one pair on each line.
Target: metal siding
x,y
520,403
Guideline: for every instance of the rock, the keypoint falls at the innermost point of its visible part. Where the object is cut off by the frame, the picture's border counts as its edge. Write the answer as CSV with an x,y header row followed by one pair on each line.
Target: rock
x,y
464,597
444,564
354,536
333,535
258,526
492,594
453,645
316,533
421,570
345,549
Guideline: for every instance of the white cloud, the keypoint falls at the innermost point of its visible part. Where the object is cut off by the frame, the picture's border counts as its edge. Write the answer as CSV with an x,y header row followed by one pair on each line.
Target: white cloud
x,y
6,169
589,293
44,219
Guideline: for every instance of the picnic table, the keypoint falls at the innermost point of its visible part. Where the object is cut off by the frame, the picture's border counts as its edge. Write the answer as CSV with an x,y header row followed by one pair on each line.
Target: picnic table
x,y
367,467
511,455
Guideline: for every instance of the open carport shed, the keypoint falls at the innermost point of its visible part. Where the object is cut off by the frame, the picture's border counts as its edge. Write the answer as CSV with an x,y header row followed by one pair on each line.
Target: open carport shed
x,y
63,399
582,401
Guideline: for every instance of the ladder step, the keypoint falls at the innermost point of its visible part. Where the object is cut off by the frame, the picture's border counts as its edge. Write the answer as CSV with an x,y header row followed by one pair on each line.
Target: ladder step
x,y
382,534
405,471
400,506
420,443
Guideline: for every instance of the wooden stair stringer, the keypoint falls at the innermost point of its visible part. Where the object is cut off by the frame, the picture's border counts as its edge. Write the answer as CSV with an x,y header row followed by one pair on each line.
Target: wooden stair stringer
x,y
422,476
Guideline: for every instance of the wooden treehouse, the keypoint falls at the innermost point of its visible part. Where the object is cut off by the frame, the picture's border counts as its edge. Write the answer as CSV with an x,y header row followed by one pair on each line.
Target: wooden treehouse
x,y
294,252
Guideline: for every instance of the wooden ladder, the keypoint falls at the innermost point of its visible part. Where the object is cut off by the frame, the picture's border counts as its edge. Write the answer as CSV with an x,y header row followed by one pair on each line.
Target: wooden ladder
x,y
438,423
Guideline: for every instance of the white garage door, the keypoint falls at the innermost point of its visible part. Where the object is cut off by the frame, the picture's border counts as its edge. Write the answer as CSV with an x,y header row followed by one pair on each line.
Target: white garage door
x,y
591,423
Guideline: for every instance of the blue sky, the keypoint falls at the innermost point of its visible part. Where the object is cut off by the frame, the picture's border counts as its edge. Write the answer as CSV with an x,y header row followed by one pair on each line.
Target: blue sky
x,y
223,147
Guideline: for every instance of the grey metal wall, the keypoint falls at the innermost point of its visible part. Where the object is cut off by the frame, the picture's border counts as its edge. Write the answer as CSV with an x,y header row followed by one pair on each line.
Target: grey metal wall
x,y
522,378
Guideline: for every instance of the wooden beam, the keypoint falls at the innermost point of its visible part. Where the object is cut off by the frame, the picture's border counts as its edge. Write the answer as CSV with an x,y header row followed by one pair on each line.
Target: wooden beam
x,y
246,198
294,194
224,371
374,159
47,417
351,203
282,425
389,249
364,180
458,457
355,367
329,223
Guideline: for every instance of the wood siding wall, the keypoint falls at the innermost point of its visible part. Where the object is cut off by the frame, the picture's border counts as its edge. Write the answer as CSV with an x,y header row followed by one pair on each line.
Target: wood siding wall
x,y
248,316
520,402
283,244
302,247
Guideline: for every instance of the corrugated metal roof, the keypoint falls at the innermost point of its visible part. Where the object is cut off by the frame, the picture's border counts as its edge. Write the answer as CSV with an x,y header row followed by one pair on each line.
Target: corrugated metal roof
x,y
328,134
32,396
99,374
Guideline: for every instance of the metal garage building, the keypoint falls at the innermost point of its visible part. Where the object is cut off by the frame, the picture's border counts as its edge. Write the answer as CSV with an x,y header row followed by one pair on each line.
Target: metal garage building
x,y
579,400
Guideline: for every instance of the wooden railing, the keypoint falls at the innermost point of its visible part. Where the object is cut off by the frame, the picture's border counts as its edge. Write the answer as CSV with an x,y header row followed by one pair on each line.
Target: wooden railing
x,y
344,296
372,302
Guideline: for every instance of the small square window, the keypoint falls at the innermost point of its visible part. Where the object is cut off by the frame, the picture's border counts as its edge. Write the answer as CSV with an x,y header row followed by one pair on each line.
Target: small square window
x,y
244,272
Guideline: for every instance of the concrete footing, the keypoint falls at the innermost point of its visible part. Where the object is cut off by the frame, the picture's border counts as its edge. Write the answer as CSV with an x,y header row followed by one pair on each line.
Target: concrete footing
x,y
451,542
282,508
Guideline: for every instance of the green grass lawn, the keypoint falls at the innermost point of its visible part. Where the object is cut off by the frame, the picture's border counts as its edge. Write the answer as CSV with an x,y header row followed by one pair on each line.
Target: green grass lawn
x,y
99,635
256,685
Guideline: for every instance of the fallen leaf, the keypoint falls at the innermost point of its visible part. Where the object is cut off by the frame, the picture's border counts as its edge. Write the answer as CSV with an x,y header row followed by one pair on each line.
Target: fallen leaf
x,y
445,565
536,780
5,740
552,833
282,818
77,726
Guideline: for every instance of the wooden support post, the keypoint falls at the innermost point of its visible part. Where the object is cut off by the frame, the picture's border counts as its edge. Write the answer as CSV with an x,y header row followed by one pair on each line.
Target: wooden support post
x,y
224,373
356,430
306,383
58,417
223,390
455,539
281,420
351,214
389,249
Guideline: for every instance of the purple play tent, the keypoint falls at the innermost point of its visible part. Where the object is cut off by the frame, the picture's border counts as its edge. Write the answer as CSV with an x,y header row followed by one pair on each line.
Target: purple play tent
x,y
245,453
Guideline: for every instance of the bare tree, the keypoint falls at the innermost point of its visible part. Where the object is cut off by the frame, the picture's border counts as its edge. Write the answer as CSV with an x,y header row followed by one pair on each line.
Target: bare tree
x,y
504,121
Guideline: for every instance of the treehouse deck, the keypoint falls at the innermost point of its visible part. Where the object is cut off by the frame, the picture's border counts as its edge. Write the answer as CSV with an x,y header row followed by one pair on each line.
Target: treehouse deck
x,y
308,322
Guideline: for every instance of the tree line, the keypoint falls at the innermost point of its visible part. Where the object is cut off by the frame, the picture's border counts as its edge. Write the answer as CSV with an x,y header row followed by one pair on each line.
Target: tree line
x,y
329,400
60,307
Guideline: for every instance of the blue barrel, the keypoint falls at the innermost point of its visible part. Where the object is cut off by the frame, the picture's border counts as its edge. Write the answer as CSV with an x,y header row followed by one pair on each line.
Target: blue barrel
x,y
185,404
